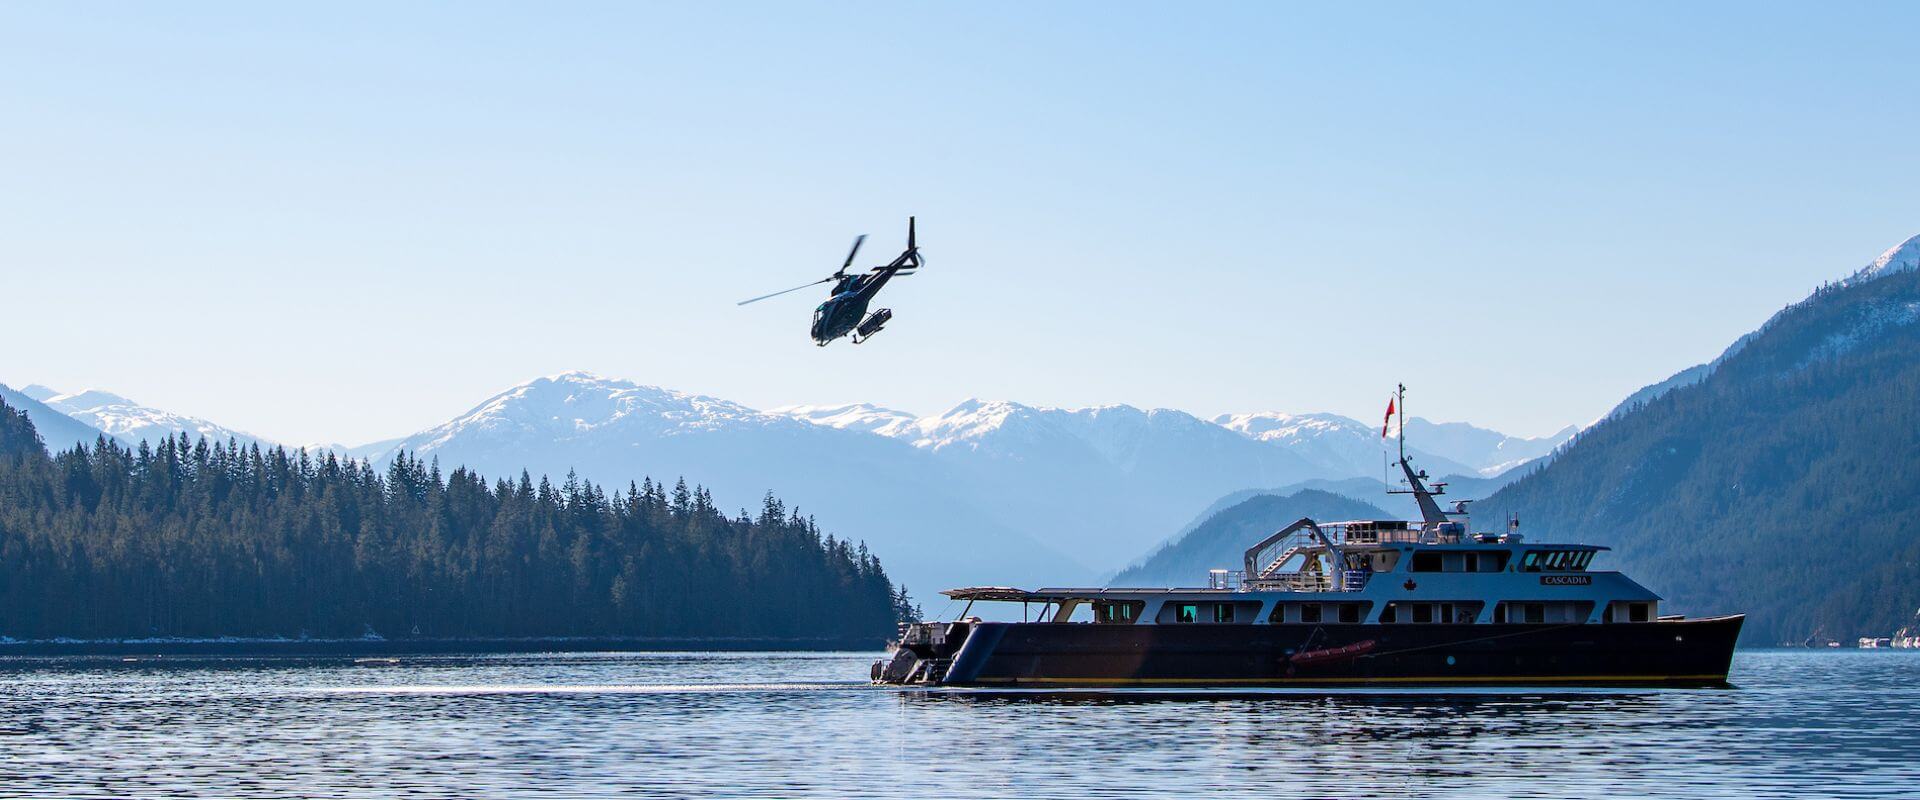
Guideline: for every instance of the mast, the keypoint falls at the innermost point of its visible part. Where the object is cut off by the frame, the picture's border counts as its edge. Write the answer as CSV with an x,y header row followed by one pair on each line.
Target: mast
x,y
1400,404
1430,514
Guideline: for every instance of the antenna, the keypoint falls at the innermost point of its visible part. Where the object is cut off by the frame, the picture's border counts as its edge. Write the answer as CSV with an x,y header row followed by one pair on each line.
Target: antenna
x,y
1430,513
1400,394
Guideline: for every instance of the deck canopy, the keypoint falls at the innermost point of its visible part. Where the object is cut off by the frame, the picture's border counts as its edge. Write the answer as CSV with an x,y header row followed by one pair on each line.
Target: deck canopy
x,y
1054,595
991,593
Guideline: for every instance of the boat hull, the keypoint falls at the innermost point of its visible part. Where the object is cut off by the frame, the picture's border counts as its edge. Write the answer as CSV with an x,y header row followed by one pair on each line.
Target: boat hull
x,y
1668,652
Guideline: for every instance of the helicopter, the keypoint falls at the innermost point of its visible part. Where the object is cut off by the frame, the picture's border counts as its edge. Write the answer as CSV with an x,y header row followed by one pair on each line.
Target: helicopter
x,y
845,310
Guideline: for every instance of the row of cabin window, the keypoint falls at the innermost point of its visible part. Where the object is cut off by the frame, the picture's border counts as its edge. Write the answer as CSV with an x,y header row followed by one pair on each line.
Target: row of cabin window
x,y
1467,561
1210,612
1416,613
1442,613
1566,611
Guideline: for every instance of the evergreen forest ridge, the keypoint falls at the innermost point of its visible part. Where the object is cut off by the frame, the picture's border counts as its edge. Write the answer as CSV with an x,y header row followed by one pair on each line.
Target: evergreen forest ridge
x,y
200,540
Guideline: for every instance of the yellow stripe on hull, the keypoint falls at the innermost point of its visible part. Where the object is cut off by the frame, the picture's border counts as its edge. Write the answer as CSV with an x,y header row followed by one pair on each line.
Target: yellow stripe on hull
x,y
1452,679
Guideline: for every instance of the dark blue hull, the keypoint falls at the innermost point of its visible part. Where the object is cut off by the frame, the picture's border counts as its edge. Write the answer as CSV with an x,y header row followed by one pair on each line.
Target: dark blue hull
x,y
1674,652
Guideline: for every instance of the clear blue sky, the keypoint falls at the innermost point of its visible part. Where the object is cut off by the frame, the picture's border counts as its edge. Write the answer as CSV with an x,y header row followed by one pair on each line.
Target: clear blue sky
x,y
352,221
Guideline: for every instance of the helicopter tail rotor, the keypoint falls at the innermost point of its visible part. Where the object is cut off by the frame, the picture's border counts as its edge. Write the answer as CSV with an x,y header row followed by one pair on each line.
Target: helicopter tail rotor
x,y
912,256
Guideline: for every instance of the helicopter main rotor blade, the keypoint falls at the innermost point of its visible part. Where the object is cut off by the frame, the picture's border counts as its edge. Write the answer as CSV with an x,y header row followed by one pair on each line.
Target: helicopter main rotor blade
x,y
783,291
857,240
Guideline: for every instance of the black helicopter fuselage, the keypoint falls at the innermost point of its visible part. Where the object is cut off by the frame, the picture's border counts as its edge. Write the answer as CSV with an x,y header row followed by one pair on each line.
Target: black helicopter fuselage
x,y
842,311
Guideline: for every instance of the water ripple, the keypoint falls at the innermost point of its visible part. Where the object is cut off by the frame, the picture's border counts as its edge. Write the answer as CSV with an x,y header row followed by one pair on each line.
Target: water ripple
x,y
1796,724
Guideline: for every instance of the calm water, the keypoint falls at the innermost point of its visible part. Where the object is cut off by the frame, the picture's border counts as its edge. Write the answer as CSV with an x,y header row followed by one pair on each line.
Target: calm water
x,y
1820,724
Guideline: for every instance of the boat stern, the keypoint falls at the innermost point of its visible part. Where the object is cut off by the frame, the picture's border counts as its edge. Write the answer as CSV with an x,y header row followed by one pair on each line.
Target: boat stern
x,y
923,653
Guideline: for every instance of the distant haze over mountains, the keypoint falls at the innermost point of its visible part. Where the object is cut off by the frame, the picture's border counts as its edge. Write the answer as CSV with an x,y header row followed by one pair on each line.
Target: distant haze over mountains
x,y
987,492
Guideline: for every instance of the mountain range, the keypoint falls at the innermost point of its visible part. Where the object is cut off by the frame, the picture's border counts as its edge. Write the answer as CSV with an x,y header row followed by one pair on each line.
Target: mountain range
x,y
986,492
131,422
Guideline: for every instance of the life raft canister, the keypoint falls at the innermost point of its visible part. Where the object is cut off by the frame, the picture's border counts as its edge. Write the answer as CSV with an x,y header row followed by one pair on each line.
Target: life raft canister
x,y
1341,653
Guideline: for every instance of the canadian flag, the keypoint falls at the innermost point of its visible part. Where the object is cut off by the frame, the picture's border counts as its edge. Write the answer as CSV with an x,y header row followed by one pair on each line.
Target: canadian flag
x,y
1387,424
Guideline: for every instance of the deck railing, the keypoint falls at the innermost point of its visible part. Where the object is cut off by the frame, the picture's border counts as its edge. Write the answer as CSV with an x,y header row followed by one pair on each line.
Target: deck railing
x,y
1226,578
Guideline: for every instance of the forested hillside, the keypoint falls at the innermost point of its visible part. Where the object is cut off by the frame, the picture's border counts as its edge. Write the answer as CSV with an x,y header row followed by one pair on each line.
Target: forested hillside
x,y
1780,485
194,539
1221,541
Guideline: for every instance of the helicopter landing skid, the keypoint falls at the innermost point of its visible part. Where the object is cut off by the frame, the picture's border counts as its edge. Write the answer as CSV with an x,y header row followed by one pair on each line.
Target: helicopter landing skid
x,y
872,325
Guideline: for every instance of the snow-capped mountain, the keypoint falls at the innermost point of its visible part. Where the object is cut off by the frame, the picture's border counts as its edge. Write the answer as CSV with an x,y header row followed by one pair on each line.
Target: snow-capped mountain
x,y
864,417
1490,453
1902,257
1333,445
131,422
963,496
57,431
1339,446
859,485
1101,482
1346,446
1104,479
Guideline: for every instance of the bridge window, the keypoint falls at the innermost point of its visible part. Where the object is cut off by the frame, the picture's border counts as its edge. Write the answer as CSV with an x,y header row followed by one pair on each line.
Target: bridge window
x,y
1188,613
1556,560
1222,612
